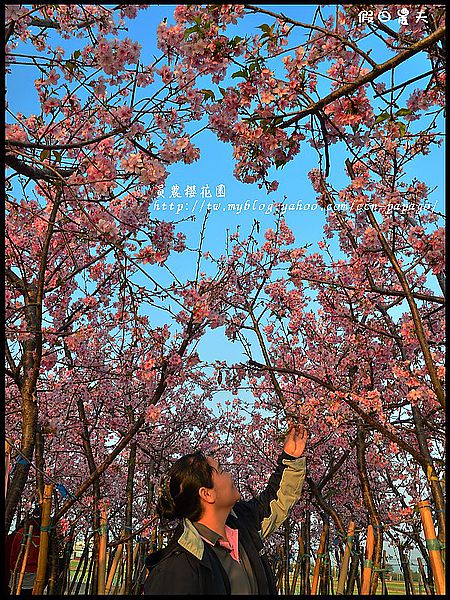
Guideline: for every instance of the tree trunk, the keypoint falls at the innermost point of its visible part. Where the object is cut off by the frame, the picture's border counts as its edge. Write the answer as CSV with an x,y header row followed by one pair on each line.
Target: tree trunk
x,y
409,591
22,467
129,519
369,504
33,296
85,560
353,568
286,557
53,563
88,452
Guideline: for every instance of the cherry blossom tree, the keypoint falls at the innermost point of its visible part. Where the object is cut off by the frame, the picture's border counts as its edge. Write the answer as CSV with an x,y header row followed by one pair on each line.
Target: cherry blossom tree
x,y
347,338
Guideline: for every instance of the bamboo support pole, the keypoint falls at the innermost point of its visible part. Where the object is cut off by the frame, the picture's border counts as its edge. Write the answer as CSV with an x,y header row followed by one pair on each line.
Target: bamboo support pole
x,y
423,576
103,541
39,583
112,571
140,569
19,555
120,578
434,547
368,564
320,554
24,562
137,568
346,559
133,560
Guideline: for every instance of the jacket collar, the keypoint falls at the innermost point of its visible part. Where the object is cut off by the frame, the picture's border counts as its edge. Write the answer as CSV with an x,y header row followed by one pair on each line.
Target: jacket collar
x,y
191,540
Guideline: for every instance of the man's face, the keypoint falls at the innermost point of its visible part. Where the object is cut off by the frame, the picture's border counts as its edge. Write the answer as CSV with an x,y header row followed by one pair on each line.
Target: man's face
x,y
225,490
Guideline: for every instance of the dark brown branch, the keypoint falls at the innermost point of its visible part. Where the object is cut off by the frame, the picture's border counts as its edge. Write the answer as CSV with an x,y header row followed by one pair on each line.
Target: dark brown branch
x,y
368,77
36,173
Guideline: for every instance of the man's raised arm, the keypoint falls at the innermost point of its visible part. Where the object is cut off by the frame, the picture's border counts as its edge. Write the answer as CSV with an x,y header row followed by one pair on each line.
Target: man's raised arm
x,y
272,506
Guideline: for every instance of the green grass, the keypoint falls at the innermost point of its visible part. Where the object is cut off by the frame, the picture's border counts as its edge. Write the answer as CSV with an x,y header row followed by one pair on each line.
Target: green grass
x,y
394,587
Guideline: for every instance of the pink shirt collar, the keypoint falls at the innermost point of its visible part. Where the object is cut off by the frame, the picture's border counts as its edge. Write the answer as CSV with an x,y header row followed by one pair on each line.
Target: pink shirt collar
x,y
231,543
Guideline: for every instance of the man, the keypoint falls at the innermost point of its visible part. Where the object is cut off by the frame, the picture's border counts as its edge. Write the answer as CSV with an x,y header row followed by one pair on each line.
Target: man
x,y
218,546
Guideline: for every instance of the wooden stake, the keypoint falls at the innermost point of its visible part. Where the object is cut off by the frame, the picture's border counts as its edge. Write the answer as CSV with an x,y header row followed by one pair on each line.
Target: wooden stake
x,y
434,547
19,555
119,580
320,554
24,561
346,559
39,583
122,591
115,562
103,541
368,565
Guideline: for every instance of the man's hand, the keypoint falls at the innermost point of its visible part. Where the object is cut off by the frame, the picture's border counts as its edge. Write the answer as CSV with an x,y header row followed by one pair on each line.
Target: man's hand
x,y
295,441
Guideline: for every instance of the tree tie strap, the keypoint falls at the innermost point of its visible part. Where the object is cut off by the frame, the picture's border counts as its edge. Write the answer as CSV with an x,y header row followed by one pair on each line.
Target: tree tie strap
x,y
368,563
435,544
349,539
380,570
46,528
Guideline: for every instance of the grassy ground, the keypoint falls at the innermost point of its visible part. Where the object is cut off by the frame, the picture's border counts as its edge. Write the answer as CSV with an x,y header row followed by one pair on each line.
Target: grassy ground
x,y
394,587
